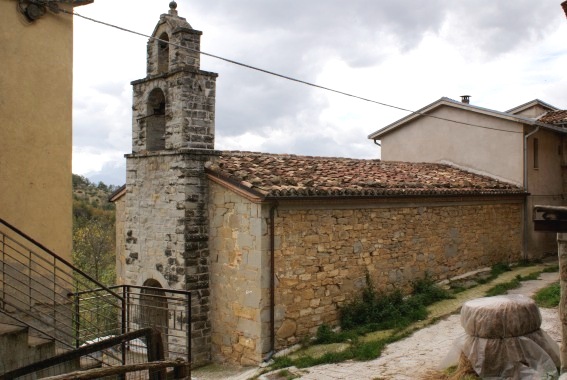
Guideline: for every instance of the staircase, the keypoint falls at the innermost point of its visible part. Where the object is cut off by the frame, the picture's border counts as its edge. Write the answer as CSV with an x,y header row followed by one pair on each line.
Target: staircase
x,y
18,348
50,309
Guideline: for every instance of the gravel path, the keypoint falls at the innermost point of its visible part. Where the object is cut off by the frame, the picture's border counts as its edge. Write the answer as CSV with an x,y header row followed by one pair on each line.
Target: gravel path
x,y
422,352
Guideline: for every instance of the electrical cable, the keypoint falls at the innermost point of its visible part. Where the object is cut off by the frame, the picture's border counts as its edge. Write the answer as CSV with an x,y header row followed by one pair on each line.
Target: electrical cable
x,y
281,75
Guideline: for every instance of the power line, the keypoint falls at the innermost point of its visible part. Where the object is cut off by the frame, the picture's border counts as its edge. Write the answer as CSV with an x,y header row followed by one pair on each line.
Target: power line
x,y
281,75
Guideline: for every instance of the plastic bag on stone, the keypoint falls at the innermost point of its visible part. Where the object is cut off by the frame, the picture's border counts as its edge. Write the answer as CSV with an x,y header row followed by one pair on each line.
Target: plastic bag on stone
x,y
500,316
509,358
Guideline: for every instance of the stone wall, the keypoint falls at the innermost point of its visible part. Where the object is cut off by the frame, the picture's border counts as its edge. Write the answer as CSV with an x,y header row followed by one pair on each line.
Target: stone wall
x,y
189,109
322,254
181,35
166,231
239,278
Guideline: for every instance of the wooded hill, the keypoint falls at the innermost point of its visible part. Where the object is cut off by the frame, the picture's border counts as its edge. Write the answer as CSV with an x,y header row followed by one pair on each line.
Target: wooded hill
x,y
94,244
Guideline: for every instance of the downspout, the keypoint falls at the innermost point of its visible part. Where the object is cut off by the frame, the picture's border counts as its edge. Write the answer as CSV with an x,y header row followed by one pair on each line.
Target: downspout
x,y
272,234
526,222
377,143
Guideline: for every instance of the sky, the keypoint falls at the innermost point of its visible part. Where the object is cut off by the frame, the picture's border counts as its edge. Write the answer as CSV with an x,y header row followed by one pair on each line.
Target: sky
x,y
405,53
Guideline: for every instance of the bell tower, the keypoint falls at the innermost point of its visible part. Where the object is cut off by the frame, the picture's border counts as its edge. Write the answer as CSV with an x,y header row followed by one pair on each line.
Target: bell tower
x,y
174,105
166,218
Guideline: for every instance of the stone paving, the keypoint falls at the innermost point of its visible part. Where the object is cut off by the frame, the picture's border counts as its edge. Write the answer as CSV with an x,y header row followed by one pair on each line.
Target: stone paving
x,y
400,360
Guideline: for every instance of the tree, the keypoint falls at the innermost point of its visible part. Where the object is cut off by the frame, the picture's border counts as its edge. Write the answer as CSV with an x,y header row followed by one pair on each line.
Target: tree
x,y
93,247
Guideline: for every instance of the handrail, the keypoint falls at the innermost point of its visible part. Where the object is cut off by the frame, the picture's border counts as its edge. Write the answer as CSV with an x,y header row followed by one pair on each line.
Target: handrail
x,y
151,334
57,257
37,288
183,292
50,295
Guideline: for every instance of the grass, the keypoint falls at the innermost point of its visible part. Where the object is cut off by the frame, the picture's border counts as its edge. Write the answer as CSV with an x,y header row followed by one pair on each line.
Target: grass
x,y
552,269
287,375
549,296
359,350
504,287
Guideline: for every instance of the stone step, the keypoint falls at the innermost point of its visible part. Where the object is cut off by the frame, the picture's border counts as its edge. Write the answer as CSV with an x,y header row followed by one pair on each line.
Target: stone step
x,y
18,348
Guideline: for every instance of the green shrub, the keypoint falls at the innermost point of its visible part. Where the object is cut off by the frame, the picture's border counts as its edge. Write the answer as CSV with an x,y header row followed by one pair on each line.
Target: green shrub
x,y
498,269
381,311
427,292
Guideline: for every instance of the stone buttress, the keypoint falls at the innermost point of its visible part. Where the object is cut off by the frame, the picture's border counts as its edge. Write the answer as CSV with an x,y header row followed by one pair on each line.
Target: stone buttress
x,y
166,222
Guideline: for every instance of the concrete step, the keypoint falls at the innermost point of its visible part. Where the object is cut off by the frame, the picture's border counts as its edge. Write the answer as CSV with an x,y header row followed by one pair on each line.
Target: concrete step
x,y
18,348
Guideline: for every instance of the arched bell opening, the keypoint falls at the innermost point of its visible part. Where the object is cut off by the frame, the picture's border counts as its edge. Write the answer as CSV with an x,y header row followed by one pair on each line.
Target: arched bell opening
x,y
163,53
155,121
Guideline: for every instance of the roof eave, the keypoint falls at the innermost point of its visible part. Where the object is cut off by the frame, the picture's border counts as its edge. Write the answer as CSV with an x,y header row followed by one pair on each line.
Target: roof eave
x,y
531,103
236,186
467,107
117,194
78,3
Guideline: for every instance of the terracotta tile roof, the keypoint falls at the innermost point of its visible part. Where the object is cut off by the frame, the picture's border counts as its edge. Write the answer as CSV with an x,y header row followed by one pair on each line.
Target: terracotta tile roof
x,y
283,176
554,117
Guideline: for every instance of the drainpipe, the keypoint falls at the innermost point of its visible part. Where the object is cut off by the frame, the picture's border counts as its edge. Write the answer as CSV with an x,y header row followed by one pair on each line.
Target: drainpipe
x,y
377,143
272,282
526,222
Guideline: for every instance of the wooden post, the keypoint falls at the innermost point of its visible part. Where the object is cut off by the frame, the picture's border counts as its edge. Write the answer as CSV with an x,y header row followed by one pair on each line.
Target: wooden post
x,y
155,353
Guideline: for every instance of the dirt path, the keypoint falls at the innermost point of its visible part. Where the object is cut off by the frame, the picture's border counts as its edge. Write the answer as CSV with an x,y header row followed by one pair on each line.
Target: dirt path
x,y
409,358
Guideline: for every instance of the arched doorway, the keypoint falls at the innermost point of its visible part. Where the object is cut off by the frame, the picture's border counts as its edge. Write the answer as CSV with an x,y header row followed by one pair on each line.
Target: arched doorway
x,y
154,309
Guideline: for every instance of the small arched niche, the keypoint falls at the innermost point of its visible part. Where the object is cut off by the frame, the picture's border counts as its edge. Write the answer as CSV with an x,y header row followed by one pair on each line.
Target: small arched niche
x,y
163,53
155,121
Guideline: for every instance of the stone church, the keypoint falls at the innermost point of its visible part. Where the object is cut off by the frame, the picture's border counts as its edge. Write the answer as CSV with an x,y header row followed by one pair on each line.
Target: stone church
x,y
271,245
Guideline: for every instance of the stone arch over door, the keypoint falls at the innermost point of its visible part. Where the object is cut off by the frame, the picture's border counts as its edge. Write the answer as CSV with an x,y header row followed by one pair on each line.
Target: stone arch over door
x,y
154,308
155,121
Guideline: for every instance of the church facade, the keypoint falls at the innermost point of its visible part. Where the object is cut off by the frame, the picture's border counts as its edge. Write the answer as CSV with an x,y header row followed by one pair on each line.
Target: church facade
x,y
271,245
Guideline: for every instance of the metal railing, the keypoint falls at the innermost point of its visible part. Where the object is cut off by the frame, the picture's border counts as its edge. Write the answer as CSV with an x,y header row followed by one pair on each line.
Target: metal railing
x,y
168,311
58,301
152,365
36,288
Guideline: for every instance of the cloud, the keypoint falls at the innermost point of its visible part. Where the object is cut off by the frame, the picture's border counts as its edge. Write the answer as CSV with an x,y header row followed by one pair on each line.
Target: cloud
x,y
111,174
402,52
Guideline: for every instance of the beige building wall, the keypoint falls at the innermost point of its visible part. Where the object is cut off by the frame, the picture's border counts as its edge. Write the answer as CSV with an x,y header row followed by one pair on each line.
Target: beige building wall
x,y
428,139
545,185
239,277
533,112
36,105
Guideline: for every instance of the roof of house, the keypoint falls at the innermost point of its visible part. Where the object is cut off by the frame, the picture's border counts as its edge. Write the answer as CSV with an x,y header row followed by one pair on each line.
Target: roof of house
x,y
554,117
532,103
78,3
264,176
117,194
425,111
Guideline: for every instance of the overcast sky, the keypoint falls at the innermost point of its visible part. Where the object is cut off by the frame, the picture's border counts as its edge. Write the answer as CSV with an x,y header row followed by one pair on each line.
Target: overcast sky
x,y
407,53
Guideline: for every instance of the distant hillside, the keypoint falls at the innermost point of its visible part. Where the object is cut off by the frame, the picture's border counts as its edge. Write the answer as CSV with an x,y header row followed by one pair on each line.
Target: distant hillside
x,y
92,194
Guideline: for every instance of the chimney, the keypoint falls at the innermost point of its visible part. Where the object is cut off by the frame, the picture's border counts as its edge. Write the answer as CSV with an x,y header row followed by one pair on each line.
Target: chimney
x,y
467,98
564,6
